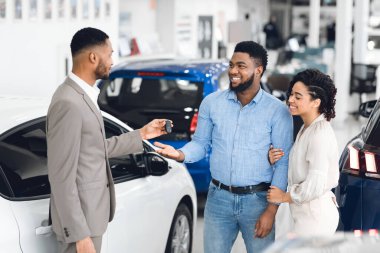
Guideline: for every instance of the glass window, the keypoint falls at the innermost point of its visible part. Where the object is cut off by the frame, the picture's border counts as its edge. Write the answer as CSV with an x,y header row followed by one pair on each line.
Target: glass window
x,y
61,8
125,167
48,9
139,100
372,131
23,161
33,9
97,8
155,93
107,8
73,8
3,9
85,9
18,9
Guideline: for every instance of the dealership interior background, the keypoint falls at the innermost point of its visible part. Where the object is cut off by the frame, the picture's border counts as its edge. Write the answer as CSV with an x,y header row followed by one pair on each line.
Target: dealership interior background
x,y
36,35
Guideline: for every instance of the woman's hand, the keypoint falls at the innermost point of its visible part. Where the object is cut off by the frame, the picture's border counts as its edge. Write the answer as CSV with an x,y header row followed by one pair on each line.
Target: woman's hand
x,y
276,195
275,154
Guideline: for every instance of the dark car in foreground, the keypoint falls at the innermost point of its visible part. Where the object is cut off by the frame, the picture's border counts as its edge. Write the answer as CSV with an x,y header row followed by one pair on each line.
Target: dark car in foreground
x,y
140,91
358,191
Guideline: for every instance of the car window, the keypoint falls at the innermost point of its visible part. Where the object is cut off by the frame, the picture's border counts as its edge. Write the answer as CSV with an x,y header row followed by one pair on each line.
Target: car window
x,y
23,160
5,188
155,93
372,131
125,167
137,101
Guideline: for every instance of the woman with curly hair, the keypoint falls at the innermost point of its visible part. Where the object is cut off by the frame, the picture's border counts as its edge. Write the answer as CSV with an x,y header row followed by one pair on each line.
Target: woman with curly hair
x,y
313,159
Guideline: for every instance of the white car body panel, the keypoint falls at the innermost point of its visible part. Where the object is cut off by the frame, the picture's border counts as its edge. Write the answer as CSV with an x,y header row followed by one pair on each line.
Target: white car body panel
x,y
144,207
30,216
154,201
9,241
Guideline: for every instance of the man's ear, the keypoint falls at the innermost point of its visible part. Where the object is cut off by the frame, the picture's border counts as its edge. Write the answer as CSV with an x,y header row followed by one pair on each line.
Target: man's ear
x,y
259,71
92,57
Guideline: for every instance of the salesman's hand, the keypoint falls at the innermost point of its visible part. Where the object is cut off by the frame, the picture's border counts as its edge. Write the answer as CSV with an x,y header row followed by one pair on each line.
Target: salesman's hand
x,y
265,223
169,152
153,129
85,246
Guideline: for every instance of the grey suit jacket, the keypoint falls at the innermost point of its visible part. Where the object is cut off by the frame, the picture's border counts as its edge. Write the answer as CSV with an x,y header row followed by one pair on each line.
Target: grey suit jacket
x,y
82,189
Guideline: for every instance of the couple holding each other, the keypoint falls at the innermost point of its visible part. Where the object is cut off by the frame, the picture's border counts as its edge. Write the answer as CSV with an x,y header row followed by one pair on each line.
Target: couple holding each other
x,y
239,124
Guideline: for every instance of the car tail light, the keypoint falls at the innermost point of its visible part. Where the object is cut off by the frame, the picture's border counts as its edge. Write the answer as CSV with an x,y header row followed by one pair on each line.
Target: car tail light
x,y
354,158
370,162
358,233
193,123
373,232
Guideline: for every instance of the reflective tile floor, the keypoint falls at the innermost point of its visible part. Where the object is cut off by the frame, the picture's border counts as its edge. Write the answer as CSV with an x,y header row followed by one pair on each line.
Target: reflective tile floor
x,y
344,131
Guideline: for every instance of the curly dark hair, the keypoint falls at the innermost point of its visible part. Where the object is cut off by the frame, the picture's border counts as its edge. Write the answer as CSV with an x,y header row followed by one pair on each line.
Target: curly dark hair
x,y
255,51
320,86
87,37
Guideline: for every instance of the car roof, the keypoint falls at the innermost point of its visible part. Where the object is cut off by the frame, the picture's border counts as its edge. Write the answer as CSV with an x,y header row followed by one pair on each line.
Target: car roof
x,y
196,67
15,110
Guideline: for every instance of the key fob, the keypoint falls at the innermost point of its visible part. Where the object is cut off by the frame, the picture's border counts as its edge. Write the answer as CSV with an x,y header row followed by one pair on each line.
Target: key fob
x,y
168,126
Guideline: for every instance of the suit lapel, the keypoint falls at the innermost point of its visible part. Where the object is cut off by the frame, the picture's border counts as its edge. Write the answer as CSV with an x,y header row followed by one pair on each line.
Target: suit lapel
x,y
87,99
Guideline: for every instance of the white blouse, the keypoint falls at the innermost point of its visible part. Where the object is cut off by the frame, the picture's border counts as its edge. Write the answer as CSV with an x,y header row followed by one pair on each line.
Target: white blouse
x,y
313,162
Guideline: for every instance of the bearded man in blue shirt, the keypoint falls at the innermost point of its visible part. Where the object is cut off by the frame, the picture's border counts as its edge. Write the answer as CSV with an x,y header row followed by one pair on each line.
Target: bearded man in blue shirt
x,y
239,125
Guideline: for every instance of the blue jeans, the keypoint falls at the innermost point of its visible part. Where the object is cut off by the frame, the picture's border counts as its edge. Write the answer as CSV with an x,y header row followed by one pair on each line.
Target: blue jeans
x,y
226,214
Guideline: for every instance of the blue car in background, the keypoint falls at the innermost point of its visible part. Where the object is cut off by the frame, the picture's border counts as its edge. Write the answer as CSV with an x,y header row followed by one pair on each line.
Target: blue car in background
x,y
140,91
358,192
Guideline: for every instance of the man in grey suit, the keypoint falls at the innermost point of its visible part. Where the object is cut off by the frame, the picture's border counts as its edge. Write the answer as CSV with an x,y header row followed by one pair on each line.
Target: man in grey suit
x,y
82,189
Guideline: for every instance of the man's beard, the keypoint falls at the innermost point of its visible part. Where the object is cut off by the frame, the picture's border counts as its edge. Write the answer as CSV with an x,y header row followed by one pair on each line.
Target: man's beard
x,y
101,71
243,86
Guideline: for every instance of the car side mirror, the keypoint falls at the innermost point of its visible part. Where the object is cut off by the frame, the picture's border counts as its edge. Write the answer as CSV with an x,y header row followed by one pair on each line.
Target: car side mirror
x,y
365,109
156,164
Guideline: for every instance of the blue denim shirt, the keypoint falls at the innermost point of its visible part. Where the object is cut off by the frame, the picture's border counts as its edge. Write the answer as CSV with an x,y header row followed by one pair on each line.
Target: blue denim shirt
x,y
240,137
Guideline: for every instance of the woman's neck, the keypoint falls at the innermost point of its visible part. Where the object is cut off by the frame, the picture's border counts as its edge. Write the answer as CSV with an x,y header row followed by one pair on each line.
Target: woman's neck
x,y
309,118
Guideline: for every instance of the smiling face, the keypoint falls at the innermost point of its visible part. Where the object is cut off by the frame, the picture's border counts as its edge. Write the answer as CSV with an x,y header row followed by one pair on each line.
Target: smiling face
x,y
300,101
243,72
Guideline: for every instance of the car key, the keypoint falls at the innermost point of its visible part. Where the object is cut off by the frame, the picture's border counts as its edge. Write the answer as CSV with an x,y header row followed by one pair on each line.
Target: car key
x,y
168,126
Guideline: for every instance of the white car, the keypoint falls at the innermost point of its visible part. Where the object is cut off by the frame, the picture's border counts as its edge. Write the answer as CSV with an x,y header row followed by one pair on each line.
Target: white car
x,y
156,205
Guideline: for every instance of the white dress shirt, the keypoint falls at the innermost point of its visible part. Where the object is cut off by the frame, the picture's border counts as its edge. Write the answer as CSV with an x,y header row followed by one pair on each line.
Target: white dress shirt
x,y
91,90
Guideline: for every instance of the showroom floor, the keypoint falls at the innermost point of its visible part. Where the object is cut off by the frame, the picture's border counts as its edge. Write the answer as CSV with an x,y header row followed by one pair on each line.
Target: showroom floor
x,y
344,132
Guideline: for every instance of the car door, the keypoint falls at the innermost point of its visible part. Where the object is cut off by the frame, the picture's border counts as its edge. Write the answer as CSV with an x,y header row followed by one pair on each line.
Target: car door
x,y
142,219
23,159
23,162
8,230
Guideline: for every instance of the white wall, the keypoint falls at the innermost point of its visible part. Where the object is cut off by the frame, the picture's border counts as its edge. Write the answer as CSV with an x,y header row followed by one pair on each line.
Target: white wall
x,y
33,52
178,23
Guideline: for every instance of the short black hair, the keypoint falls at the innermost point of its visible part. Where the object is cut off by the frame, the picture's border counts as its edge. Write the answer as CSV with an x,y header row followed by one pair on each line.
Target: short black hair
x,y
255,51
320,86
87,37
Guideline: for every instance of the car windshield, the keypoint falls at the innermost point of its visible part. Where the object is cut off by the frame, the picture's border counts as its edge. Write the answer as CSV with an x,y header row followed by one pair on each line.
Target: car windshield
x,y
138,100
